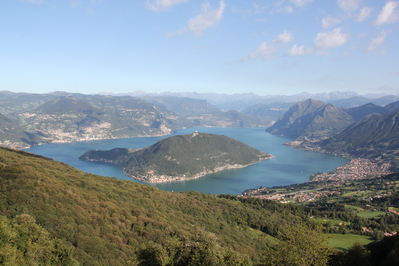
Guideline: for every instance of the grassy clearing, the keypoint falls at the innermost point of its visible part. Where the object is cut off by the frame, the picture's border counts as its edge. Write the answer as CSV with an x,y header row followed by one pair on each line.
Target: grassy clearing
x,y
353,207
370,214
393,209
334,222
358,194
343,242
256,234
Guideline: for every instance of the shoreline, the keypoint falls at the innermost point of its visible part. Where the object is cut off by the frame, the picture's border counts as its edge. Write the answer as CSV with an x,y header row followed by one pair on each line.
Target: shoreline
x,y
355,169
157,179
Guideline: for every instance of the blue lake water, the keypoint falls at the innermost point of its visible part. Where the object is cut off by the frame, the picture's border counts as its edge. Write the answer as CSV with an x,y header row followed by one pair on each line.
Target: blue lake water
x,y
289,166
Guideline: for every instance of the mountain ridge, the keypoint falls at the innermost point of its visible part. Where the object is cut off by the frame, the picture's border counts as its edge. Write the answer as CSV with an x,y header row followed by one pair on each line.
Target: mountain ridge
x,y
311,119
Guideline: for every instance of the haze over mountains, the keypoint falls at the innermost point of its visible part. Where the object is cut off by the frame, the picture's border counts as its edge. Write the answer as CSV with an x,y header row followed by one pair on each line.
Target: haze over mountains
x,y
241,101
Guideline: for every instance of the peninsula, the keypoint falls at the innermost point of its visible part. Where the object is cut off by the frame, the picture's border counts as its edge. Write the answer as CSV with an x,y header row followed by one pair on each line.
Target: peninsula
x,y
180,157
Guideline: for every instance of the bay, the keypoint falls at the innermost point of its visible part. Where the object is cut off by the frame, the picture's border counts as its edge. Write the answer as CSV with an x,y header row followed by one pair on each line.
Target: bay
x,y
290,166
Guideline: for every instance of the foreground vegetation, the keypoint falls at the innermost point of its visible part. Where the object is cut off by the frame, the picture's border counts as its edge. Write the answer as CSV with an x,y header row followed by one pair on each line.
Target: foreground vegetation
x,y
79,218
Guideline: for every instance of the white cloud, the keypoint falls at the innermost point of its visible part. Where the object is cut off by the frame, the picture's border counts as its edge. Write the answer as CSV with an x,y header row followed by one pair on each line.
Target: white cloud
x,y
283,6
162,5
364,13
329,22
388,13
329,39
375,43
301,2
208,18
33,1
348,5
264,51
299,50
284,37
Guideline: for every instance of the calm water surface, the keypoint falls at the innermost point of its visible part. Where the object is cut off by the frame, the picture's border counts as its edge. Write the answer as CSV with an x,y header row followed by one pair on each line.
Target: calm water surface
x,y
289,166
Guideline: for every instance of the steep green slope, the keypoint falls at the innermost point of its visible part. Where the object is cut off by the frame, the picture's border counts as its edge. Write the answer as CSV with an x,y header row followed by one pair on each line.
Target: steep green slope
x,y
24,242
372,137
108,221
311,119
181,157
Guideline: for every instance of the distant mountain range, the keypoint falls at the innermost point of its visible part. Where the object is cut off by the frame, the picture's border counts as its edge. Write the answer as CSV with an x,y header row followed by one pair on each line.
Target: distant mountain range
x,y
64,117
180,157
367,131
204,114
70,118
272,111
317,120
311,119
241,101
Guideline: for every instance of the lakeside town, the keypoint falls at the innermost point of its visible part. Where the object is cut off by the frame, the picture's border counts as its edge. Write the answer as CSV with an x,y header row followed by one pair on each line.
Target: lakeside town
x,y
322,183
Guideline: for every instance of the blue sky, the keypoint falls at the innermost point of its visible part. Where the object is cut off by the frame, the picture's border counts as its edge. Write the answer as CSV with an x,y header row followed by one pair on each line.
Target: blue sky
x,y
225,46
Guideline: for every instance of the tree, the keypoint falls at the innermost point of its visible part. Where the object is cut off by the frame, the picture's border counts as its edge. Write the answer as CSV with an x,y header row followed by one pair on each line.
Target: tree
x,y
202,249
357,255
24,242
300,245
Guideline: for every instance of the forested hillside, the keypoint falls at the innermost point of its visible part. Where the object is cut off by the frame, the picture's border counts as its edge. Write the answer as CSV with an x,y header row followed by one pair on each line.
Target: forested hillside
x,y
374,137
107,221
53,214
180,157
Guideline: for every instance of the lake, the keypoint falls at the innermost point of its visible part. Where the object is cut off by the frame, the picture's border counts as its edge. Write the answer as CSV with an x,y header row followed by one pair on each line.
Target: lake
x,y
290,166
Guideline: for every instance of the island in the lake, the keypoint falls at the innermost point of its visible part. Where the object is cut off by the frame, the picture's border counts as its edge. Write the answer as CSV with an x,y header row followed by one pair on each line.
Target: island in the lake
x,y
180,157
